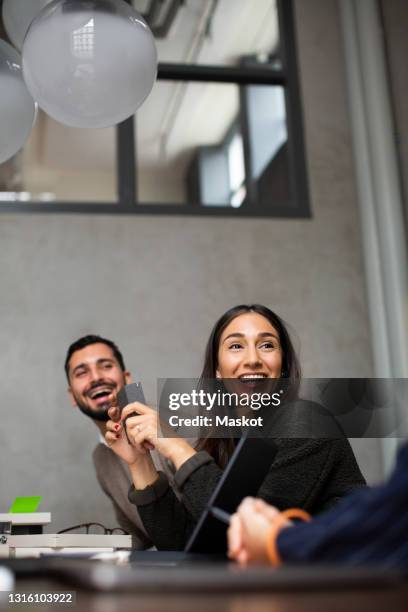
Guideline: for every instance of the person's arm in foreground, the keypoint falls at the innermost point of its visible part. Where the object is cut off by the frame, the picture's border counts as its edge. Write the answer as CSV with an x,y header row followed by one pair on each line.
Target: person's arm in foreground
x,y
368,527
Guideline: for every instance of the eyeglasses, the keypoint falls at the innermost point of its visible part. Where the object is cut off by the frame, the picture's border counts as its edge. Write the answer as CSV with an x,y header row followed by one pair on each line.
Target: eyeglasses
x,y
95,528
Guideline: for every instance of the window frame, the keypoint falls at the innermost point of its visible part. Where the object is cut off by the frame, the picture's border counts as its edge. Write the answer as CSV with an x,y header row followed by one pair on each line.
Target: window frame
x,y
126,154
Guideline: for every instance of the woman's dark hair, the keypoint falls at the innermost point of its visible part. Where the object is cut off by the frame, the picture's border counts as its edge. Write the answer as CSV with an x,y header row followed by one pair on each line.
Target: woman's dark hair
x,y
221,449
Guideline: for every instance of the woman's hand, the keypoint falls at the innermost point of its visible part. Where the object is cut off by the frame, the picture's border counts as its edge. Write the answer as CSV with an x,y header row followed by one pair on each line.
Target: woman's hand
x,y
116,439
248,531
145,429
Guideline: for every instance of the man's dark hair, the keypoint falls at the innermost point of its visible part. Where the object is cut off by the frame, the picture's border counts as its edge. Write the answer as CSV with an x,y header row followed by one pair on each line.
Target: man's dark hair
x,y
86,341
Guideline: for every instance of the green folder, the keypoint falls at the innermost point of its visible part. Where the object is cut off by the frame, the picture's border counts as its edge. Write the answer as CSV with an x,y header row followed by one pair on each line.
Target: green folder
x,y
25,504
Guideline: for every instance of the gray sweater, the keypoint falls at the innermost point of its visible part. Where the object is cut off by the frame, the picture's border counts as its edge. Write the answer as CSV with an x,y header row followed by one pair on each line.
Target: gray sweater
x,y
309,474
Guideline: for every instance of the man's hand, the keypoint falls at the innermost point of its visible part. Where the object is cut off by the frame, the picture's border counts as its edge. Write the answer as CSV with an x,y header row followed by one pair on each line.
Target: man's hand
x,y
248,531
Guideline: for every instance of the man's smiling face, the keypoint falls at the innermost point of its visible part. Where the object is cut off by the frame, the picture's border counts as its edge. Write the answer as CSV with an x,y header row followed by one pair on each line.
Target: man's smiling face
x,y
94,374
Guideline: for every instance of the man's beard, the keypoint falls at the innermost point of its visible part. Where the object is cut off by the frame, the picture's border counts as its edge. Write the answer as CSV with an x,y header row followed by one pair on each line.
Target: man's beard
x,y
101,416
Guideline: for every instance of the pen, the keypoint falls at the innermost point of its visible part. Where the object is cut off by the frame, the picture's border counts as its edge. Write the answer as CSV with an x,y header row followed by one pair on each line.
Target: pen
x,y
221,515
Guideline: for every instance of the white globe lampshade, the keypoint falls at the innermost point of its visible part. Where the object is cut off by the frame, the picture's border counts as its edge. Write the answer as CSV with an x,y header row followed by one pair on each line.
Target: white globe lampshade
x,y
89,63
17,16
17,108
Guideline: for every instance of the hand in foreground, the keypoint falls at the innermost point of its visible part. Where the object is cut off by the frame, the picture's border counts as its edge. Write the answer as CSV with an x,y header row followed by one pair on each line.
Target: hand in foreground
x,y
248,531
116,438
146,429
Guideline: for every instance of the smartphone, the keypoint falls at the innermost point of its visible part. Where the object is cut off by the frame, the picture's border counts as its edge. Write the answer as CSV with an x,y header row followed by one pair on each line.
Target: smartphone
x,y
130,393
127,395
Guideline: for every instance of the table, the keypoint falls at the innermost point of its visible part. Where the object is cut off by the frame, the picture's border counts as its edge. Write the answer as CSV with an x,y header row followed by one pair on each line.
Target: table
x,y
383,599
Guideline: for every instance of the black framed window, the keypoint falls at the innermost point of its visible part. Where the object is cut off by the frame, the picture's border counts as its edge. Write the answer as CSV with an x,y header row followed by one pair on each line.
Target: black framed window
x,y
220,134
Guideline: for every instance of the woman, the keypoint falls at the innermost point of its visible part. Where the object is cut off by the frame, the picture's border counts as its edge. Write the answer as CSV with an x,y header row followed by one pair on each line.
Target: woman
x,y
247,342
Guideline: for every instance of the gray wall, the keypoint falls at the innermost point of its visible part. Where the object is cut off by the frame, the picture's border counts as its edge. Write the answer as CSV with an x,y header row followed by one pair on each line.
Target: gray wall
x,y
156,286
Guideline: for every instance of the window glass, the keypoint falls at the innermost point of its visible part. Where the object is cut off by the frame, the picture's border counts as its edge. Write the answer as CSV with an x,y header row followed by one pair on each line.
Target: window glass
x,y
213,144
60,163
267,136
184,133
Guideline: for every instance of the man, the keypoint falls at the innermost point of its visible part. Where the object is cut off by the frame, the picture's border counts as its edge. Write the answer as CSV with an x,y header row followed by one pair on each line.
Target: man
x,y
95,370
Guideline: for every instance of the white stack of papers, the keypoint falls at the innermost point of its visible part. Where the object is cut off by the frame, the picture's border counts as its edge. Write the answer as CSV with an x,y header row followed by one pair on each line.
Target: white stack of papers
x,y
26,518
65,543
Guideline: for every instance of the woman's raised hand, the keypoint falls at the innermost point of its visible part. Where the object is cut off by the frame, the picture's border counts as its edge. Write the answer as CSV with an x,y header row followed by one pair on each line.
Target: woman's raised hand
x,y
115,437
144,429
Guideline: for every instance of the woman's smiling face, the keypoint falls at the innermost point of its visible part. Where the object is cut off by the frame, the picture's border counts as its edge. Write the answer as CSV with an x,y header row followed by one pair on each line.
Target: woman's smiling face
x,y
249,349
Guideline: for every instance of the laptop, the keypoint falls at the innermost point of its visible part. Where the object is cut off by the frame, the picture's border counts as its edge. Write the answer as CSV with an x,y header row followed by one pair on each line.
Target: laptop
x,y
243,476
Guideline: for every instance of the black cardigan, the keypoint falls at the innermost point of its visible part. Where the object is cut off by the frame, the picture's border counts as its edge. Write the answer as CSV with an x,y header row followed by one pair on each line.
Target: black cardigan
x,y
308,474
